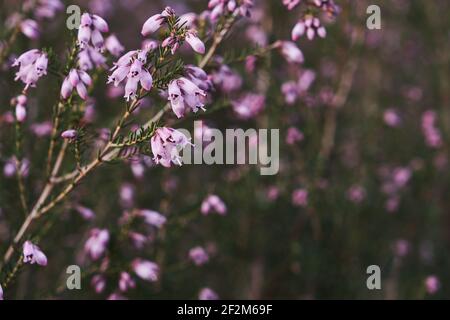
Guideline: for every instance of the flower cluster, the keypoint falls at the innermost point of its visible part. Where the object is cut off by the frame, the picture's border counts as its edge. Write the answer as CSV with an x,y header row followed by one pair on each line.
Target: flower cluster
x,y
213,203
90,31
432,134
32,65
184,94
310,26
131,66
166,145
32,254
78,79
97,242
220,8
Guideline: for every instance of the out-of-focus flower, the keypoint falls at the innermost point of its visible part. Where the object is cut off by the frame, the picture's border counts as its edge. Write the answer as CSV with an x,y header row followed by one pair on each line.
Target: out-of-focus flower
x,y
432,135
401,247
33,254
401,176
290,52
85,212
293,136
114,46
47,8
356,193
30,28
223,7
32,65
207,294
272,193
131,67
184,94
126,282
198,255
213,203
226,79
89,57
69,134
78,79
391,118
328,6
1,292
249,105
42,129
91,28
153,218
98,282
126,193
97,242
20,110
291,4
310,26
166,145
145,269
300,197
432,284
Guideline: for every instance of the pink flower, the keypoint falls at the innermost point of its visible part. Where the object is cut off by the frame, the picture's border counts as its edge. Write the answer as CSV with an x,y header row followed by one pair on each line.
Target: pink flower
x,y
207,294
432,284
30,28
401,247
291,52
196,44
97,242
131,67
33,254
153,23
69,134
226,79
145,269
183,94
126,282
78,79
1,292
309,25
356,194
291,4
91,28
86,213
249,105
293,136
42,129
20,110
98,282
153,218
272,193
213,203
432,134
32,65
198,255
300,197
113,45
48,8
166,144
391,118
90,57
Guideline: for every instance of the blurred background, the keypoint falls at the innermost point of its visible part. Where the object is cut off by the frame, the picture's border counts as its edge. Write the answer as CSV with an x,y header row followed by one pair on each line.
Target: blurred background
x,y
363,177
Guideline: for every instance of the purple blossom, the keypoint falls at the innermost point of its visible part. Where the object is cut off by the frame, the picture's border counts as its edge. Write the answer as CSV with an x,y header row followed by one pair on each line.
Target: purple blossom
x,y
78,79
300,197
290,52
32,65
126,282
113,45
69,134
90,31
32,254
153,218
249,105
293,136
310,26
30,28
145,269
183,94
213,203
97,242
291,4
166,144
207,294
432,284
98,282
198,255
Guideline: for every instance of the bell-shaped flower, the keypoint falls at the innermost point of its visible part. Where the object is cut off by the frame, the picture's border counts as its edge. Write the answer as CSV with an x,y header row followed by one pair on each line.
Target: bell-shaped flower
x,y
32,254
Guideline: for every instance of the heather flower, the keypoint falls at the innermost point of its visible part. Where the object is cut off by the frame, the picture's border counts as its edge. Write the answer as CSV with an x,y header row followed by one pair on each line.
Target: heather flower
x,y
391,118
356,194
309,26
113,45
32,65
402,247
199,77
328,6
126,194
88,58
226,79
42,129
97,242
432,134
223,7
78,79
86,213
293,136
153,218
30,29
98,282
69,134
196,44
432,284
213,203
48,8
138,239
183,94
272,193
156,21
20,110
300,198
91,28
207,294
32,254
1,292
126,282
166,144
198,255
145,269
131,66
291,4
257,35
249,105
290,52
